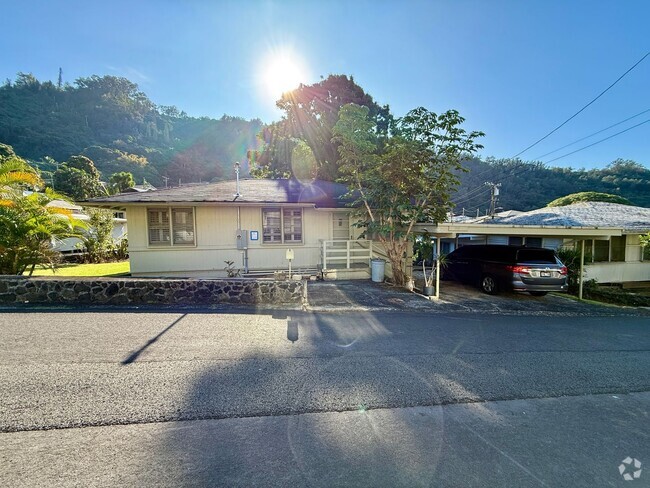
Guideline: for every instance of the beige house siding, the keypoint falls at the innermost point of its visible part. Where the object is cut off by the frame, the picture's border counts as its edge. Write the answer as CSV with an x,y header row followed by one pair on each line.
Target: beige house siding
x,y
215,233
618,272
632,269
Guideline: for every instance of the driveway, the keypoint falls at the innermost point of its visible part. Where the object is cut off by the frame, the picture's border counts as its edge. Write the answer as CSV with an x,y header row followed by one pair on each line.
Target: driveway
x,y
365,295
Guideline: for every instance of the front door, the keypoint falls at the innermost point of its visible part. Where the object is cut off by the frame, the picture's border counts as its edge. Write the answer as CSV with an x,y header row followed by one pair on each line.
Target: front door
x,y
340,226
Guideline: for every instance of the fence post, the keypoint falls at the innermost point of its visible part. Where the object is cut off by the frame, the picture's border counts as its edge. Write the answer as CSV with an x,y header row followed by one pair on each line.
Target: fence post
x,y
347,247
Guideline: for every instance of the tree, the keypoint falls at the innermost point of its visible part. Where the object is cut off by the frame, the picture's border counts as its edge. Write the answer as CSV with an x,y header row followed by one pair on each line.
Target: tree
x,y
588,196
408,179
78,178
310,113
98,240
644,240
29,222
119,182
27,229
15,176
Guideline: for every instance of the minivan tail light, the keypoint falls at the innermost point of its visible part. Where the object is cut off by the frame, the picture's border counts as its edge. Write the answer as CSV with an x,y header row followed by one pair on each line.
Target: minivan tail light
x,y
519,269
563,270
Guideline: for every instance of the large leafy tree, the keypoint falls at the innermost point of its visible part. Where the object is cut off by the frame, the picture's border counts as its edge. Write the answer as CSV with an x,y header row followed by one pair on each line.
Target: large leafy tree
x,y
78,178
310,113
407,179
118,182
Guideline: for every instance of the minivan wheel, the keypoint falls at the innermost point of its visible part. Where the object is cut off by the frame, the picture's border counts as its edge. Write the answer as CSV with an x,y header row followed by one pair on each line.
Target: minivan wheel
x,y
489,285
538,293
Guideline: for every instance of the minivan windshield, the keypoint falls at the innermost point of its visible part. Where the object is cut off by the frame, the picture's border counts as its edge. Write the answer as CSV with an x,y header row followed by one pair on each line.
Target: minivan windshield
x,y
536,256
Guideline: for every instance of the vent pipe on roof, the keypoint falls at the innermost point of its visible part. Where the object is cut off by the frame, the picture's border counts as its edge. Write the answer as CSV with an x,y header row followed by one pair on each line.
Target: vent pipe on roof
x,y
237,195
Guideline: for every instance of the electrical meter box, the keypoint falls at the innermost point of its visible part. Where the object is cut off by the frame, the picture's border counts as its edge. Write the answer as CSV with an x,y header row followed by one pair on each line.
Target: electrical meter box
x,y
242,239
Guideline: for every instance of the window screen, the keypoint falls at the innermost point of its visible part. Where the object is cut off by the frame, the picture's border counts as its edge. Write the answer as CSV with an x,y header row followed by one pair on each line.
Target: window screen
x,y
162,228
183,226
534,241
158,220
281,225
292,225
618,248
601,251
271,225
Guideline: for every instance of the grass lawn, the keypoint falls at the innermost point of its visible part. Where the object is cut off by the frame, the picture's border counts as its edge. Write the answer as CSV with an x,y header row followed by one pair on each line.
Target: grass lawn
x,y
100,269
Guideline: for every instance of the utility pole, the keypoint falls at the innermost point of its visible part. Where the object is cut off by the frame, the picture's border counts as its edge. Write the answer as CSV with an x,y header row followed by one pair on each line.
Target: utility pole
x,y
494,196
165,179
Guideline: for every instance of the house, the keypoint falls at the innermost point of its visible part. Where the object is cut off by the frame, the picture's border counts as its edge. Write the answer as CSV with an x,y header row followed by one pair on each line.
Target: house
x,y
74,245
192,230
610,233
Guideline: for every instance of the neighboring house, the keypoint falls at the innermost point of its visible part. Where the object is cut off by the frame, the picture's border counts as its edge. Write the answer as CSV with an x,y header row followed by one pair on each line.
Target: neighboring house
x,y
610,231
192,230
74,245
139,188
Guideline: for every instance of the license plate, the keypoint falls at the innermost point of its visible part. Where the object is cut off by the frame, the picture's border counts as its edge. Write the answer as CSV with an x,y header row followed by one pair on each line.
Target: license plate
x,y
545,274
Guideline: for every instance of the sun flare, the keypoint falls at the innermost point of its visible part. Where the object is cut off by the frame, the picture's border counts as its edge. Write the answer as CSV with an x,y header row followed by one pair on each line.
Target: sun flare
x,y
283,72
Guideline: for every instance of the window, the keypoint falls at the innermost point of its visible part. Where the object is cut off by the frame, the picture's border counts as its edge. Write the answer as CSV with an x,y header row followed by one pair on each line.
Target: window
x,y
292,225
534,241
282,225
183,226
162,228
515,241
618,248
601,251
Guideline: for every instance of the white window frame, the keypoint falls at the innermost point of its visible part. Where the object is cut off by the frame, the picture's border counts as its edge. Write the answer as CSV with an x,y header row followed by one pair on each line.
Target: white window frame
x,y
170,220
283,228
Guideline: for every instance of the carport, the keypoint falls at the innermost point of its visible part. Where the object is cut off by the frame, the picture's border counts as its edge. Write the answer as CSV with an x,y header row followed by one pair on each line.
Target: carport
x,y
454,231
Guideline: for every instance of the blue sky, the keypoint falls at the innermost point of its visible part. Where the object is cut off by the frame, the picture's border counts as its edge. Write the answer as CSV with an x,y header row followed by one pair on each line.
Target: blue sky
x,y
514,69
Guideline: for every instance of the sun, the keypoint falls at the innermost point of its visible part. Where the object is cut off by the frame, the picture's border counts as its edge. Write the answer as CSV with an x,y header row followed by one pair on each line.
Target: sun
x,y
282,72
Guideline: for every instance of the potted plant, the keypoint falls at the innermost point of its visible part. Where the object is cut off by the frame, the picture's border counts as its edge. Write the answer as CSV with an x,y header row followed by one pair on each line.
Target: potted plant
x,y
428,289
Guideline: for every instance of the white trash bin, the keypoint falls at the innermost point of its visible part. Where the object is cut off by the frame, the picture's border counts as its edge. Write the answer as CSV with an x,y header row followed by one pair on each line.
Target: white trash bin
x,y
377,267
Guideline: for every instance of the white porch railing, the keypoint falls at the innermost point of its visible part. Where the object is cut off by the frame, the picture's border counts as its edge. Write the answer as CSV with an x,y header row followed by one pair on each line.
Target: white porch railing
x,y
346,254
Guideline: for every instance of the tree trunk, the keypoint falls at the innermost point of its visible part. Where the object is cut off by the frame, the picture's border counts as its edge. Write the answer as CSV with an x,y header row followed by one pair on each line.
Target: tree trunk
x,y
395,252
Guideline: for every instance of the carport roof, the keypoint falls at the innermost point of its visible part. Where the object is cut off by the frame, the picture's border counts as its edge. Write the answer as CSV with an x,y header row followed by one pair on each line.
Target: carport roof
x,y
583,220
583,214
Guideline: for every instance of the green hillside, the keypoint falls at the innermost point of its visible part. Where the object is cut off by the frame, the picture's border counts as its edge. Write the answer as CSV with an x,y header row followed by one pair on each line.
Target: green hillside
x,y
109,120
527,185
112,122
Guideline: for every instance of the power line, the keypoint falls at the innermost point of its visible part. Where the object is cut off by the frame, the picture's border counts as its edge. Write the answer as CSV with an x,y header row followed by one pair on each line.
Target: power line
x,y
590,135
598,142
583,108
467,199
474,192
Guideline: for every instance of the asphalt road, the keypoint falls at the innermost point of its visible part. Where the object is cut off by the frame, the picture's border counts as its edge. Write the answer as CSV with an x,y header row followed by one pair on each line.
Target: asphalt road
x,y
76,370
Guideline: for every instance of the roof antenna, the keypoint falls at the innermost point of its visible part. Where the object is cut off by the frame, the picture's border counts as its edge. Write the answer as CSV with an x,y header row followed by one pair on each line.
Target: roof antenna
x,y
237,195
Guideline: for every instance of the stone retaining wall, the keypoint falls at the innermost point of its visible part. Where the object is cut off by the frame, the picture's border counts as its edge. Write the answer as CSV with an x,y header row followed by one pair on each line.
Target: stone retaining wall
x,y
133,291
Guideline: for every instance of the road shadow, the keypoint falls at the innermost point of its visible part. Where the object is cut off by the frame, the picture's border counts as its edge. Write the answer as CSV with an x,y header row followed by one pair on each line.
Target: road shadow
x,y
333,417
135,354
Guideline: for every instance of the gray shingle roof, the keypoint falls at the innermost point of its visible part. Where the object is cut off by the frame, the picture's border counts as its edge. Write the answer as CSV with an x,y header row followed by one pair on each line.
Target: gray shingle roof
x,y
321,193
583,214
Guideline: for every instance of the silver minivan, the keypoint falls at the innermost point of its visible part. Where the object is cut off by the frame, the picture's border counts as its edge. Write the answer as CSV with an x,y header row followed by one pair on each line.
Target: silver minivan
x,y
494,267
